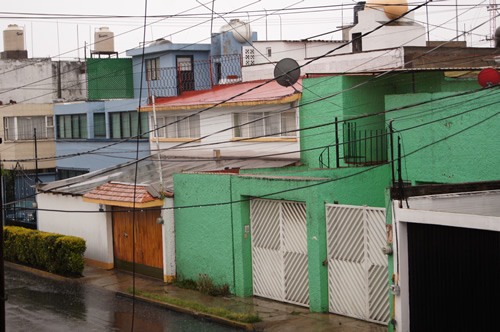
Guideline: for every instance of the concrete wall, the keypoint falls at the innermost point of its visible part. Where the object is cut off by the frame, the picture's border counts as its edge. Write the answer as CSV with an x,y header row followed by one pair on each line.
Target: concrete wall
x,y
406,33
93,226
298,50
105,156
360,100
13,151
451,140
41,80
212,240
337,63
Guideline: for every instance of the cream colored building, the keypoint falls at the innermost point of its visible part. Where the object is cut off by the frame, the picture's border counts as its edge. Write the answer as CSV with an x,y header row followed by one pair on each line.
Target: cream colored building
x,y
18,122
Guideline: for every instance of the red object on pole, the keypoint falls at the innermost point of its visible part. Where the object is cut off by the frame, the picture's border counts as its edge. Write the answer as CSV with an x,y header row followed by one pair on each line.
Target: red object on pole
x,y
488,77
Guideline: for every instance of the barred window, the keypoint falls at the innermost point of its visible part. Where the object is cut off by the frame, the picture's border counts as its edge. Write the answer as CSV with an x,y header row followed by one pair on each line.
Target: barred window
x,y
265,124
153,69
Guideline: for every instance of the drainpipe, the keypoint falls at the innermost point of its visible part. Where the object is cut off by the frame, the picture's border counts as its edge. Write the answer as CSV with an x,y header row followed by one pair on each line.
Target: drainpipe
x,y
157,143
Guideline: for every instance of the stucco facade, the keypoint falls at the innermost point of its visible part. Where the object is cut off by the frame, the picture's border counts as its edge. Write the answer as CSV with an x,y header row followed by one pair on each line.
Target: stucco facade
x,y
445,139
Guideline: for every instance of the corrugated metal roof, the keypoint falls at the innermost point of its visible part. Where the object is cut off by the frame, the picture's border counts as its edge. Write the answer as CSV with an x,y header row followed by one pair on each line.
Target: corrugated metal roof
x,y
147,173
270,93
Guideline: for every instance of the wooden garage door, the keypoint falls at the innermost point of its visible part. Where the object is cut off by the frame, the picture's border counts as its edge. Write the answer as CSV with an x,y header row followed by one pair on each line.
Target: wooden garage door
x,y
148,241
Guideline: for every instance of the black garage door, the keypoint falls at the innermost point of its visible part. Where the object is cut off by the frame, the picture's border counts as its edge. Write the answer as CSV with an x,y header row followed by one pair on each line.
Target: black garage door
x,y
454,278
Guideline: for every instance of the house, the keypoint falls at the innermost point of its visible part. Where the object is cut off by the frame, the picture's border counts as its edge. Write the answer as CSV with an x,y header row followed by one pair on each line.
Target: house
x,y
316,233
103,130
335,206
240,119
445,239
98,207
29,89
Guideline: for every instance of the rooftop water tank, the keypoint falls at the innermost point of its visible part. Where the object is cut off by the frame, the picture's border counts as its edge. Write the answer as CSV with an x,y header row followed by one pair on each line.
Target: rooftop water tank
x,y
104,41
392,8
241,30
13,38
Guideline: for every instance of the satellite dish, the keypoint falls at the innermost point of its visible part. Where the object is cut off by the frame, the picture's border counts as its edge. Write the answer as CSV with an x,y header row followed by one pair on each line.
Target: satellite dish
x,y
287,72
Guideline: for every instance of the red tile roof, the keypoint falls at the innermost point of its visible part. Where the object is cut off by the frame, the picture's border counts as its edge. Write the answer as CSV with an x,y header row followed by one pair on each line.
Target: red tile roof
x,y
122,194
245,94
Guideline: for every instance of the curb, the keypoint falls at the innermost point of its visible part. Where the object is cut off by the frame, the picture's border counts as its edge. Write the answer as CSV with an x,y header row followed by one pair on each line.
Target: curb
x,y
39,272
194,313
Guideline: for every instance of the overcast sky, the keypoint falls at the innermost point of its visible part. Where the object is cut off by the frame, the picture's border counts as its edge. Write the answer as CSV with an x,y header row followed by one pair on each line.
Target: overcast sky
x,y
49,34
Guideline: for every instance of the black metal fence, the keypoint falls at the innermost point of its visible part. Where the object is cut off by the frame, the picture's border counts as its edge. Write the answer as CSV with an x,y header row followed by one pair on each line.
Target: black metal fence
x,y
360,147
200,75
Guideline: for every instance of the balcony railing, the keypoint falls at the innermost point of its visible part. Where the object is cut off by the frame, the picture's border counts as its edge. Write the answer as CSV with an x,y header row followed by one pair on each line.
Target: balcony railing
x,y
202,75
360,147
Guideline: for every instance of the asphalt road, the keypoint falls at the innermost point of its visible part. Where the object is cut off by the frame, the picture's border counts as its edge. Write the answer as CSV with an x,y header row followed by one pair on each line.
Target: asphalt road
x,y
39,304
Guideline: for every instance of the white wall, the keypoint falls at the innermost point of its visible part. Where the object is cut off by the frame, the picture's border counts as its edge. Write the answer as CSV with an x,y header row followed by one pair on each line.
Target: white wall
x,y
341,63
406,33
36,74
217,121
298,50
36,80
95,228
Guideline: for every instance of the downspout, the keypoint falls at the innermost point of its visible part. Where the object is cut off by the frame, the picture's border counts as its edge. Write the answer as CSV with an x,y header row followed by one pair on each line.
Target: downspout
x,y
59,87
157,144
232,228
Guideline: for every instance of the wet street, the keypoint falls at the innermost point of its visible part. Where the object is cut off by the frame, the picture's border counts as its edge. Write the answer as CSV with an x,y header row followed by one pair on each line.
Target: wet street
x,y
41,304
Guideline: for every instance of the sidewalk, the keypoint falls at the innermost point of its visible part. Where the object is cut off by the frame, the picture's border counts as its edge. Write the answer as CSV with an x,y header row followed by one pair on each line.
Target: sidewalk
x,y
275,316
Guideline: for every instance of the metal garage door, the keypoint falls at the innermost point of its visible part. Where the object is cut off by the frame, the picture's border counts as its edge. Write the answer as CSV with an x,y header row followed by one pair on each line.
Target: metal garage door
x,y
454,276
279,250
357,268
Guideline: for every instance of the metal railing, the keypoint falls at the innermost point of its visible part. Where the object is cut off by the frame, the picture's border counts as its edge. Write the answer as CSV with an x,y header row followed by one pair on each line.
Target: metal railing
x,y
203,75
360,147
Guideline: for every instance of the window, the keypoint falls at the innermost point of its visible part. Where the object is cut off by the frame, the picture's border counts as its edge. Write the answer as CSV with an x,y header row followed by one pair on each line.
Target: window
x,y
99,125
65,173
72,126
23,127
259,124
153,69
357,42
125,124
178,127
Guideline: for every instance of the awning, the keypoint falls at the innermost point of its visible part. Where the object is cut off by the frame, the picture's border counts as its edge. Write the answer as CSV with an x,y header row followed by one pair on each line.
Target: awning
x,y
122,194
239,94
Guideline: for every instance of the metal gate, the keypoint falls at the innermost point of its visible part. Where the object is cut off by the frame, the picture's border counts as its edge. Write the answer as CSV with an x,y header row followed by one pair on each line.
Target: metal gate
x,y
453,278
279,250
357,268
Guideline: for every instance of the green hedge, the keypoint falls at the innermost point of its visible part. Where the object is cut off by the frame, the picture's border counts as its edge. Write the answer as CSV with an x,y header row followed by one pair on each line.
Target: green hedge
x,y
51,252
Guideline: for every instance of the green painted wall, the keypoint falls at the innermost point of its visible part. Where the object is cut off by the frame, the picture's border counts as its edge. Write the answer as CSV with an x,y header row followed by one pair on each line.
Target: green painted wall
x,y
109,79
356,99
203,233
454,146
203,241
212,239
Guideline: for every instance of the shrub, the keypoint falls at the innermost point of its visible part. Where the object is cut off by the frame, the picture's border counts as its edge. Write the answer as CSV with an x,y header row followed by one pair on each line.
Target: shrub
x,y
206,286
51,252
